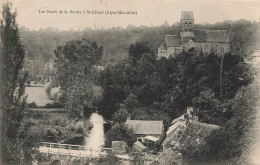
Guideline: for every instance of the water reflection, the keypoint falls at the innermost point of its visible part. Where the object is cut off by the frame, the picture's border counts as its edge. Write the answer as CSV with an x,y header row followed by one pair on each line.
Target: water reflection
x,y
96,137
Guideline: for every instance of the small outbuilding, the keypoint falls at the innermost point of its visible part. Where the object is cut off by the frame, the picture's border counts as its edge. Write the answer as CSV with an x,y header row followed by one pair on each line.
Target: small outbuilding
x,y
119,147
139,147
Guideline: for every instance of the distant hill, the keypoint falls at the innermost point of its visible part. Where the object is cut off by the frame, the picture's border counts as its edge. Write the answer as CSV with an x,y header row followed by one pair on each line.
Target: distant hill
x,y
40,45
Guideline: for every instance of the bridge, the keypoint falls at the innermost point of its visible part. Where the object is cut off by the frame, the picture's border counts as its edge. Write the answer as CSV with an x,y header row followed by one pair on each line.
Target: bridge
x,y
72,150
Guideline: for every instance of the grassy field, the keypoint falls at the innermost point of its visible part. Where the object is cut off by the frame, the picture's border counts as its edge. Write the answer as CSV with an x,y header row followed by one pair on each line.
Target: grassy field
x,y
37,95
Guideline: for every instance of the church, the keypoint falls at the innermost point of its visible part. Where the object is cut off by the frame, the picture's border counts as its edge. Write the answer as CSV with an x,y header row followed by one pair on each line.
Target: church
x,y
190,39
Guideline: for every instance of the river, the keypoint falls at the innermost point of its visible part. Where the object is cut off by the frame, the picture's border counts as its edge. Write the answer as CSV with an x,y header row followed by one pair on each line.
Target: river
x,y
95,138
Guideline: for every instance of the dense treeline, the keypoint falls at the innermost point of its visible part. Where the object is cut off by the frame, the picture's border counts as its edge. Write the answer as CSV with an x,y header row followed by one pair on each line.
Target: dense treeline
x,y
75,74
142,87
162,89
40,45
232,143
13,77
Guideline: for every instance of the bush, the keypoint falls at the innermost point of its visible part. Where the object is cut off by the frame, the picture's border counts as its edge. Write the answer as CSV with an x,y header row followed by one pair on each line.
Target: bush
x,y
51,134
58,121
80,127
120,116
32,105
38,115
54,105
120,132
110,159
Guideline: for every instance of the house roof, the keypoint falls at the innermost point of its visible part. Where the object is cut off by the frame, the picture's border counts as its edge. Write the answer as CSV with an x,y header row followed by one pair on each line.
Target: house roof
x,y
146,127
187,15
173,40
173,127
190,44
196,133
152,138
203,35
169,157
162,47
177,119
140,145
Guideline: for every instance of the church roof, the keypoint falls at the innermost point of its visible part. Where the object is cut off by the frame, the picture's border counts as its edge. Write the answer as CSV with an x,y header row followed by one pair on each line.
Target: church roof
x,y
162,47
203,35
187,15
186,36
173,40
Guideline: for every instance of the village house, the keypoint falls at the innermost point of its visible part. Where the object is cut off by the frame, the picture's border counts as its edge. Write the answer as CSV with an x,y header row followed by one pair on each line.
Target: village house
x,y
179,126
200,40
168,157
146,130
255,55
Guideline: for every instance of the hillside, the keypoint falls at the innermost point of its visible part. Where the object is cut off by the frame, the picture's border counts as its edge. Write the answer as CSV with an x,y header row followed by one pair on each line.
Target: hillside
x,y
40,45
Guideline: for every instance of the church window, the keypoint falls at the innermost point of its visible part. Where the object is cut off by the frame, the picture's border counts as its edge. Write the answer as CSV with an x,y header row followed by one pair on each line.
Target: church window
x,y
222,50
190,26
185,26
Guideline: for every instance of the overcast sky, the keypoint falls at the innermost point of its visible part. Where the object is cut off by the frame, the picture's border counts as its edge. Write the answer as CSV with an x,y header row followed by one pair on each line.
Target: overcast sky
x,y
149,12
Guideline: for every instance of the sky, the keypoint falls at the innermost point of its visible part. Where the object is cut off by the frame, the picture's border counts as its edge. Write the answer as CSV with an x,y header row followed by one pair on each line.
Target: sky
x,y
147,12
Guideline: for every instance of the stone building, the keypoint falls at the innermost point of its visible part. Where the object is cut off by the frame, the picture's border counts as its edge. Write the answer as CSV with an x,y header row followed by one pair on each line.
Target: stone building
x,y
200,40
146,129
255,55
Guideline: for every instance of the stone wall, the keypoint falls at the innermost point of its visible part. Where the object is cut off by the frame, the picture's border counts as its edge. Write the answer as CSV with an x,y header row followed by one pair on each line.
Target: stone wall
x,y
172,51
119,147
208,47
162,53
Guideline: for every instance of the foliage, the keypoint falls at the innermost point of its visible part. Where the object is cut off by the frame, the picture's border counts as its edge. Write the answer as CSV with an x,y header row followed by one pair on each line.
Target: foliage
x,y
192,139
230,144
120,132
110,159
137,50
234,138
120,116
137,158
54,127
32,105
13,80
40,44
151,89
208,109
74,63
53,105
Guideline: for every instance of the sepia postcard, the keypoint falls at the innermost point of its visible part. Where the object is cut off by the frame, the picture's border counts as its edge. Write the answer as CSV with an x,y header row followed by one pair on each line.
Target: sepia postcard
x,y
137,82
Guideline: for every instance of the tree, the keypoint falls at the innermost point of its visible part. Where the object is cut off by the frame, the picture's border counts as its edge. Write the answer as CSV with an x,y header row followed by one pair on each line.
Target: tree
x,y
120,132
137,50
75,61
231,143
120,116
13,80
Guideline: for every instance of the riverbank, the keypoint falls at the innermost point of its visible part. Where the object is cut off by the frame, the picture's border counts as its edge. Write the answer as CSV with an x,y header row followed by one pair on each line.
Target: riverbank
x,y
95,137
40,126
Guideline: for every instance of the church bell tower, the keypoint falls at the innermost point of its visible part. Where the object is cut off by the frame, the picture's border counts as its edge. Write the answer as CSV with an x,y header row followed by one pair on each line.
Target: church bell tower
x,y
187,21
